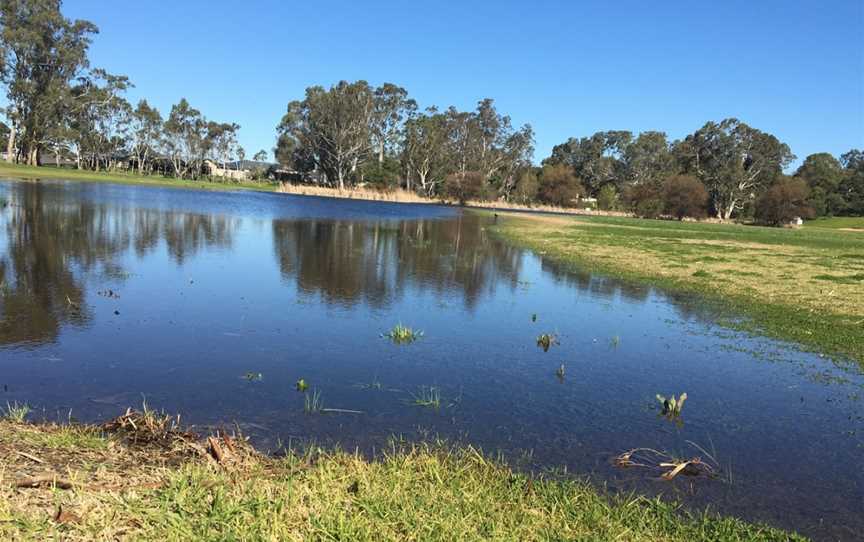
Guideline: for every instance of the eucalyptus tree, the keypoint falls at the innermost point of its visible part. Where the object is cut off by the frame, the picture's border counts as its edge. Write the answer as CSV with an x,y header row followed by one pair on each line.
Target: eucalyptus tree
x,y
648,159
596,160
260,156
331,128
424,151
41,53
823,174
98,118
734,161
146,131
185,139
221,142
391,106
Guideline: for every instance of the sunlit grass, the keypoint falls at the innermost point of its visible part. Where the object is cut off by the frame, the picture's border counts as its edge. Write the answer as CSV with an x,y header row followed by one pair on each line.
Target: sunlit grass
x,y
312,403
15,412
427,396
403,335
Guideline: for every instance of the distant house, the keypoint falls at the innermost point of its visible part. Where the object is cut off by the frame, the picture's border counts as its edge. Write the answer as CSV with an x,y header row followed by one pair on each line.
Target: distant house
x,y
240,170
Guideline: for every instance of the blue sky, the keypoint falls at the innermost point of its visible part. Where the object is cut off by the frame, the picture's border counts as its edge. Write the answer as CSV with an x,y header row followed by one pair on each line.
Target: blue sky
x,y
795,69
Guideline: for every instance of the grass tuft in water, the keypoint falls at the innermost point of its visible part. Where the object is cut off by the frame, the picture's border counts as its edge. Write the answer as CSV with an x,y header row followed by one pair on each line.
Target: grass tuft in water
x,y
253,377
312,403
559,372
15,412
672,407
402,334
301,385
615,341
429,397
547,340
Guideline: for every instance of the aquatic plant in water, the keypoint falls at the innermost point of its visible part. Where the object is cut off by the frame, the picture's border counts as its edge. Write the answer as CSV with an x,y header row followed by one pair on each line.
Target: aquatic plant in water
x,y
547,340
15,412
428,397
672,406
402,334
615,341
253,377
534,317
560,372
301,385
668,465
312,403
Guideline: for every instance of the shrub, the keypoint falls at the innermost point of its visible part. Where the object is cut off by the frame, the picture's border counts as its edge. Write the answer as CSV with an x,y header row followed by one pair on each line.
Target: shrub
x,y
526,187
784,201
558,185
644,200
465,186
684,195
607,198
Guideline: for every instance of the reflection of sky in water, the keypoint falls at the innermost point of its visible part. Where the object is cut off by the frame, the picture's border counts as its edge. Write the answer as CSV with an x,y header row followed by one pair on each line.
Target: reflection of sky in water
x,y
214,285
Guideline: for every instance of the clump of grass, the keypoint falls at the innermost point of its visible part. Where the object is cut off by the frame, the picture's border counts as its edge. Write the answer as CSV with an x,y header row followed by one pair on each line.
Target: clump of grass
x,y
312,403
253,377
701,274
301,385
547,340
615,341
672,407
559,372
402,334
15,412
429,397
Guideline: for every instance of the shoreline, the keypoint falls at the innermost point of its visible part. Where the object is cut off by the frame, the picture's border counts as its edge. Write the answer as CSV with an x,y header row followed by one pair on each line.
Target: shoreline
x,y
142,476
714,263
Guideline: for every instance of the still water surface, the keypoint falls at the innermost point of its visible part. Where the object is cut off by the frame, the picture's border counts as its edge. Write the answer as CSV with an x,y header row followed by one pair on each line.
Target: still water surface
x,y
213,286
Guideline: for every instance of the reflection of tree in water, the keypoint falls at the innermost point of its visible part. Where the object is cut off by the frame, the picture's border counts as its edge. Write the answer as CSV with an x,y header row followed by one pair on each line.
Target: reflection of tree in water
x,y
53,237
350,262
688,306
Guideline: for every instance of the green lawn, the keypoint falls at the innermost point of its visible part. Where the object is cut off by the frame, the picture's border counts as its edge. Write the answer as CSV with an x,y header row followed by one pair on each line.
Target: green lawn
x,y
837,222
30,172
805,285
162,489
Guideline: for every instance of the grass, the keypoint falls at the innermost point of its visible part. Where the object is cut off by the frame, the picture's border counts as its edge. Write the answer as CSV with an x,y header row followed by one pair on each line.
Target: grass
x,y
798,285
546,341
403,335
429,397
15,412
312,403
422,492
46,172
837,222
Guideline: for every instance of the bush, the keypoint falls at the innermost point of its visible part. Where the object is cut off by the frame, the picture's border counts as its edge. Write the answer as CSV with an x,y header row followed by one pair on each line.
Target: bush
x,y
685,195
466,186
783,202
558,185
526,187
644,200
607,198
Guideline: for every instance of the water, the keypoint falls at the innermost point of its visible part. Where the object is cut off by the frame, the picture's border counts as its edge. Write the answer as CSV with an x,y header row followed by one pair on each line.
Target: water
x,y
212,286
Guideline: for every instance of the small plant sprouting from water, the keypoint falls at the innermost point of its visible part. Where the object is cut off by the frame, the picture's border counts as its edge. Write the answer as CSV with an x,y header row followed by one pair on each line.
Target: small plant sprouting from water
x,y
312,403
253,377
559,372
672,407
534,317
547,340
402,334
615,341
15,412
428,397
301,385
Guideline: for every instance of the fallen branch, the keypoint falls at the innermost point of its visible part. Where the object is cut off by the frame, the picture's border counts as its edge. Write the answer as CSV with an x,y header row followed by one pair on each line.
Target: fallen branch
x,y
30,457
37,481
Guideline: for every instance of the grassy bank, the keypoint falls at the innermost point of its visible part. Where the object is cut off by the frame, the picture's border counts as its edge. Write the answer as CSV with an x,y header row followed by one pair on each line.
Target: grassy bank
x,y
801,285
31,172
126,481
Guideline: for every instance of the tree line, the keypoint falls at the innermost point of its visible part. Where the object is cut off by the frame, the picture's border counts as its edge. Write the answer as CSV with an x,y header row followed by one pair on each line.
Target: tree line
x,y
354,133
60,106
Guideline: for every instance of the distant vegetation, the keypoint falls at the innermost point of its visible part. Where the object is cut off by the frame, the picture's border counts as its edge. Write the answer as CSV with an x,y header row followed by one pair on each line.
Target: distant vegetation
x,y
63,111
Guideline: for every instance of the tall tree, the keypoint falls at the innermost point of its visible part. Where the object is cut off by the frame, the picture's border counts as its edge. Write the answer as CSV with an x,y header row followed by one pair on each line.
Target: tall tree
x,y
185,139
596,160
42,53
424,151
146,129
330,128
823,174
648,159
391,106
734,161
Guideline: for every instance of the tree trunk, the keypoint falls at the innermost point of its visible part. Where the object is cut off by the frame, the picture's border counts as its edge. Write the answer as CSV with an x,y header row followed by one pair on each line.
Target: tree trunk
x,y
10,146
